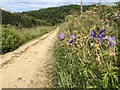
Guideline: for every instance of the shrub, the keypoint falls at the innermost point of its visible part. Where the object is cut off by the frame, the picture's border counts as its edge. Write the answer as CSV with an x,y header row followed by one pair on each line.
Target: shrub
x,y
10,39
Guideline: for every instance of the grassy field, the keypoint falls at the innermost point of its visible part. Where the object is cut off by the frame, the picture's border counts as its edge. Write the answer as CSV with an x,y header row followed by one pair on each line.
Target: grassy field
x,y
13,37
87,53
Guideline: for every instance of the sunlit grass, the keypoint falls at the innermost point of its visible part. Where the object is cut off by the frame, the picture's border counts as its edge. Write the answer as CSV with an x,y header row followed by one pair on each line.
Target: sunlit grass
x,y
13,37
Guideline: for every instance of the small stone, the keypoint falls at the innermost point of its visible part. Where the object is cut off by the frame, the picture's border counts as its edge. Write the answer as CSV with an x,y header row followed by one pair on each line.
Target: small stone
x,y
19,78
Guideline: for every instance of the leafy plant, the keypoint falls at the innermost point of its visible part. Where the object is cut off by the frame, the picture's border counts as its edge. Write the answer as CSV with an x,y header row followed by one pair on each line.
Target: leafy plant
x,y
13,37
86,54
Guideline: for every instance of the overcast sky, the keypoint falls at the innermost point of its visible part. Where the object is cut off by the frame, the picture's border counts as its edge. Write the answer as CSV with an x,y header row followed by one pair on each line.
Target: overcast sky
x,y
27,5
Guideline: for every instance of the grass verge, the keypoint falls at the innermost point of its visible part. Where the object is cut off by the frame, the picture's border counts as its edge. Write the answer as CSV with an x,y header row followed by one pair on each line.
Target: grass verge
x,y
13,37
85,59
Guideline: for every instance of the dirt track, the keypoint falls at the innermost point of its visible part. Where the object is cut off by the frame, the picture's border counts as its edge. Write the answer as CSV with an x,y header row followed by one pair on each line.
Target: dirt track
x,y
29,66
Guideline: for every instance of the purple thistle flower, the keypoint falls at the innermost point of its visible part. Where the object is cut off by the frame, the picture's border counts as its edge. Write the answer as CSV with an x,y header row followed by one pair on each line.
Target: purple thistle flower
x,y
111,41
93,34
62,36
73,36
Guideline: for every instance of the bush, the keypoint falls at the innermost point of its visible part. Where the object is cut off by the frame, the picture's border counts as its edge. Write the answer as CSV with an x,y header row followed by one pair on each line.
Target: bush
x,y
10,39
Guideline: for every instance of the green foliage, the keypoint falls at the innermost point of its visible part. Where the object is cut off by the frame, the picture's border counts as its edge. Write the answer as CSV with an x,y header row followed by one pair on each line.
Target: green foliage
x,y
118,5
55,15
41,17
86,63
12,37
21,20
108,12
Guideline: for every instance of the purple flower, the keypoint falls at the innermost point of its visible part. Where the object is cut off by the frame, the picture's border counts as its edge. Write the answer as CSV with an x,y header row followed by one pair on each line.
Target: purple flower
x,y
111,41
102,32
111,28
73,36
70,41
93,34
62,36
100,37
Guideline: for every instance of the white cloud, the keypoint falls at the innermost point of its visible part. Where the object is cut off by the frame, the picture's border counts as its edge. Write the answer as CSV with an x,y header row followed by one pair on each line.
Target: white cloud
x,y
25,6
58,0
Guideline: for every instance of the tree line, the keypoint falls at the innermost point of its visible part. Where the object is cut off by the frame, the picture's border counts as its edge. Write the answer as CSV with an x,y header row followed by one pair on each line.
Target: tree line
x,y
48,16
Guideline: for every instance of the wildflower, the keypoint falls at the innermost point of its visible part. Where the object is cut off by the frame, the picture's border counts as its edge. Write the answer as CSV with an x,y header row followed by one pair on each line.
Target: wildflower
x,y
111,41
102,32
62,36
101,35
73,36
93,34
100,38
111,28
70,41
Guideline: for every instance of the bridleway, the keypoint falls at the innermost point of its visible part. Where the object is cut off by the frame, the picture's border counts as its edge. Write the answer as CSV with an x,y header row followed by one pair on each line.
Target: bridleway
x,y
30,65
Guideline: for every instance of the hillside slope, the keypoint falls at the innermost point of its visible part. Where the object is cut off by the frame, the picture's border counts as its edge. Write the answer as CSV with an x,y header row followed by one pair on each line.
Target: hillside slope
x,y
46,16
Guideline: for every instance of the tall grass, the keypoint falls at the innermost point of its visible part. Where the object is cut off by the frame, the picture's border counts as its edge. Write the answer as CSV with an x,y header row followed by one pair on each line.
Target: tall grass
x,y
83,61
28,34
13,37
